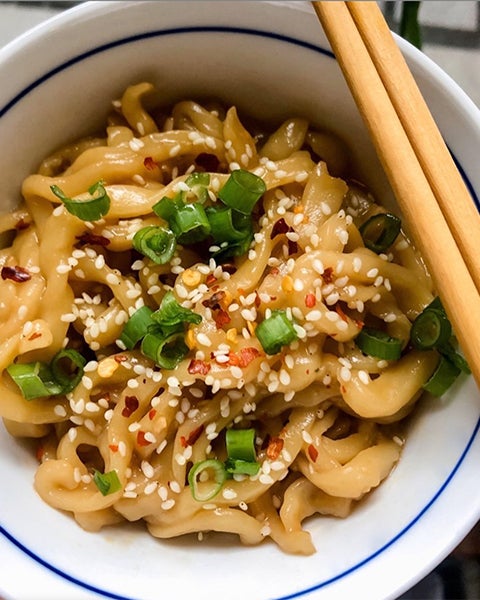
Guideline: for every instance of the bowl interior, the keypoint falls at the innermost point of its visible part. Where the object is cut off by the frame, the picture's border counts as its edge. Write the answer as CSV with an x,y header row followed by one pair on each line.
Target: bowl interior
x,y
272,61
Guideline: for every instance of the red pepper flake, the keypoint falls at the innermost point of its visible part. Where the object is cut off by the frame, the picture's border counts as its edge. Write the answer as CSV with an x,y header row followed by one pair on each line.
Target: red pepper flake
x,y
312,452
343,389
141,441
229,268
310,300
87,238
275,446
210,279
243,358
192,438
292,247
151,414
17,274
40,453
21,224
214,301
274,271
131,405
280,227
34,336
119,358
247,355
221,318
327,275
340,313
113,447
149,163
257,300
198,366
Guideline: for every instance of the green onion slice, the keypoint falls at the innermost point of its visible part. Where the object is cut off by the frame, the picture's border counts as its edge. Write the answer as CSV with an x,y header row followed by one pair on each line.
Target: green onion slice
x,y
228,225
166,207
167,351
171,313
190,224
198,183
107,483
87,209
242,190
136,327
68,378
379,344
275,332
442,378
431,329
206,479
241,467
156,243
380,231
241,444
35,380
454,357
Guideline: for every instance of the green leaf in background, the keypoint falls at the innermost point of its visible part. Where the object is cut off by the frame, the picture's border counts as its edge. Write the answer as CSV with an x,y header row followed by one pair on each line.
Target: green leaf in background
x,y
409,26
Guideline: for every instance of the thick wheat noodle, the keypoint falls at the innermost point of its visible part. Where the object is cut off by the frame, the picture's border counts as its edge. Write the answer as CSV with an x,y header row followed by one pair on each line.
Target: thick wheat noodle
x,y
329,284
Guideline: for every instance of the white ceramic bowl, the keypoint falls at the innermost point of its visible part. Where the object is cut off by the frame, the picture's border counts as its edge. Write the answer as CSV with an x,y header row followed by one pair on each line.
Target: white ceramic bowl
x,y
272,60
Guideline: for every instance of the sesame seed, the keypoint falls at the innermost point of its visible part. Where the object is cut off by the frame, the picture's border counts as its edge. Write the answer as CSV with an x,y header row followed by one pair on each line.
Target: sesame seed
x,y
60,411
168,504
266,479
307,438
345,374
364,377
372,273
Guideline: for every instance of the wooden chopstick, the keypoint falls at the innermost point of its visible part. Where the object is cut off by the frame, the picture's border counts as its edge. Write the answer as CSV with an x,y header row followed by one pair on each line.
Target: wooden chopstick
x,y
443,176
421,212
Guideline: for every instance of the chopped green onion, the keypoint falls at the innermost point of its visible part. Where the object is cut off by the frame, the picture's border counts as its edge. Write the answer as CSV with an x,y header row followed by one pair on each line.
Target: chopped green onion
x,y
442,378
275,332
166,207
198,183
206,479
87,209
156,243
431,329
68,380
379,344
241,467
35,380
189,223
241,444
107,483
228,225
136,327
242,190
454,357
380,231
170,313
167,351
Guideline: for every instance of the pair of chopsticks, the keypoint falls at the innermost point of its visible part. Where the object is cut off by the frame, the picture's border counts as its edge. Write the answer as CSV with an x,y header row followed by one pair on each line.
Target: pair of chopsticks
x,y
437,208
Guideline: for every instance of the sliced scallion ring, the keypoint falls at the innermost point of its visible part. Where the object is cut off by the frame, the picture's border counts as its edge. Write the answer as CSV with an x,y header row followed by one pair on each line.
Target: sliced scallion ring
x,y
275,332
67,378
189,223
167,351
431,329
241,467
107,483
379,344
242,190
206,479
35,380
136,327
442,378
87,209
198,183
156,243
380,231
170,313
240,444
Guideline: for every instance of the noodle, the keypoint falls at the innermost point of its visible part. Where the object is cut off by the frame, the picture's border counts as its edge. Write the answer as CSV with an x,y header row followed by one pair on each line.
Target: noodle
x,y
325,414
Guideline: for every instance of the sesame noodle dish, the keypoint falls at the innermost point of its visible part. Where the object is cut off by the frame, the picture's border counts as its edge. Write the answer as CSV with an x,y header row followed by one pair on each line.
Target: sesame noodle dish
x,y
208,324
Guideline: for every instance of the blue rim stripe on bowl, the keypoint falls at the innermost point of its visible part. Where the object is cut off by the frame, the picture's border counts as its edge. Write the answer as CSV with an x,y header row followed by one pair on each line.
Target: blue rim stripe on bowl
x,y
318,49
